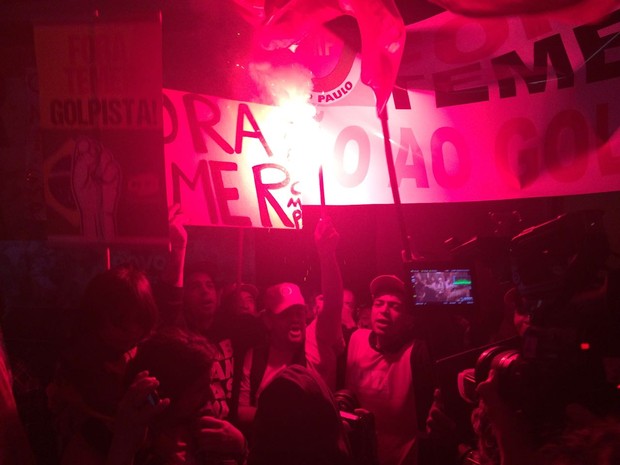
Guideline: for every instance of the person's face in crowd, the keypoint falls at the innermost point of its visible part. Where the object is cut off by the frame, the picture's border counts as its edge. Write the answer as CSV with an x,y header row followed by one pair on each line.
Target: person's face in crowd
x,y
247,303
288,328
389,319
348,306
519,308
363,320
121,336
521,321
193,399
310,314
200,300
318,304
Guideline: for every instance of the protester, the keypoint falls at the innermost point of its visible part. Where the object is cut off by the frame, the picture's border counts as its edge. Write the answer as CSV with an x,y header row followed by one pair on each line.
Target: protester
x,y
239,319
348,325
506,437
362,316
516,318
348,311
555,386
191,300
193,294
290,341
117,311
389,372
349,305
166,416
298,423
241,298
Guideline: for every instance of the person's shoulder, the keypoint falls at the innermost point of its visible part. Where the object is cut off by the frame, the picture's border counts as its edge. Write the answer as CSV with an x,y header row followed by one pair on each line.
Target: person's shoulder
x,y
361,331
360,336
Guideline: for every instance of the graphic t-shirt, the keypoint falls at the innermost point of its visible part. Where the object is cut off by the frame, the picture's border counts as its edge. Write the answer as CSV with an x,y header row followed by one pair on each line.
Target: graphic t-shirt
x,y
222,379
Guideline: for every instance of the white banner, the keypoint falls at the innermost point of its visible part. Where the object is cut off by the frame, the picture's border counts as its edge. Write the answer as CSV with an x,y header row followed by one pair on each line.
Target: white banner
x,y
487,109
230,163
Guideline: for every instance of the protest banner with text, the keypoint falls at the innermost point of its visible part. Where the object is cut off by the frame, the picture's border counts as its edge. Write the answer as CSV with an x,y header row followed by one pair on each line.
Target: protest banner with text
x,y
100,109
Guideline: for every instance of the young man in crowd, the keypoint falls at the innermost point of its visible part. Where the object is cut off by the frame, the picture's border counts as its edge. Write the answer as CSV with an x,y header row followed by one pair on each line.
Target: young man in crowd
x,y
191,303
389,371
290,341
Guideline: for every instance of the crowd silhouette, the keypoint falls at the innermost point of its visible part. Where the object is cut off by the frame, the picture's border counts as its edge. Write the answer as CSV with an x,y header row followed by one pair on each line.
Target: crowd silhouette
x,y
195,371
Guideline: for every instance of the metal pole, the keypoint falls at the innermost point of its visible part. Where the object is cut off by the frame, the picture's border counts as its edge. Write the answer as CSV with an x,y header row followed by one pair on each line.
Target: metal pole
x,y
407,255
322,191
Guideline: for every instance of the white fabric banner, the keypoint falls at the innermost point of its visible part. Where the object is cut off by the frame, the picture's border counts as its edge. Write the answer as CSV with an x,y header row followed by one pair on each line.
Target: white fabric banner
x,y
486,109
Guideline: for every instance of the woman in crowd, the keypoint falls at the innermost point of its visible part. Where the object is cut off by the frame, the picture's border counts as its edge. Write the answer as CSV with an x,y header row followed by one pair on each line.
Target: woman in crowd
x,y
166,417
117,311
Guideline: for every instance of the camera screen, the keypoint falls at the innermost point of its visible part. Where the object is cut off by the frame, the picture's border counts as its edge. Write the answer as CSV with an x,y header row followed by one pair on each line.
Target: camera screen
x,y
442,285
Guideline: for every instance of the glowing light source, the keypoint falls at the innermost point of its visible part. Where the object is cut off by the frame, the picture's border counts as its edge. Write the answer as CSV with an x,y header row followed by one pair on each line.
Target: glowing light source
x,y
294,123
381,27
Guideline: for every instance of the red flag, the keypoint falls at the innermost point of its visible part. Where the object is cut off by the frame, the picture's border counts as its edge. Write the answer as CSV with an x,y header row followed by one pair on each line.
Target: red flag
x,y
383,40
381,27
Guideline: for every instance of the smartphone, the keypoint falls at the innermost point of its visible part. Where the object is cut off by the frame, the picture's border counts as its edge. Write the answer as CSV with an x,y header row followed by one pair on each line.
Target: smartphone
x,y
153,398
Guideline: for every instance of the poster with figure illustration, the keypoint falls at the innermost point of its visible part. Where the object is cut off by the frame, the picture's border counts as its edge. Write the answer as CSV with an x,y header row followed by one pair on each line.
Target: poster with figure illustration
x,y
101,126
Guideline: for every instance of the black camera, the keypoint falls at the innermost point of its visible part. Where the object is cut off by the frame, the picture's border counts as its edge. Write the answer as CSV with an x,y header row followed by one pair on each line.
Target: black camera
x,y
555,260
558,360
359,426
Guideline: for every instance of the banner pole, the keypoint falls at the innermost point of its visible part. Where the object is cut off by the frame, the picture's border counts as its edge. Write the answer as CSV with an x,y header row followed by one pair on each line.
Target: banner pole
x,y
383,116
239,259
108,260
322,191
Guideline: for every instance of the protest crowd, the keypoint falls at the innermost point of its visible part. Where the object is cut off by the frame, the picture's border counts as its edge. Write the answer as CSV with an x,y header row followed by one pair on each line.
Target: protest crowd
x,y
193,371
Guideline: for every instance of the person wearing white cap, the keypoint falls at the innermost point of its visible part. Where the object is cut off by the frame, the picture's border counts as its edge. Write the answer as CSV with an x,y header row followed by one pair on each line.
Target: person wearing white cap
x,y
389,371
290,341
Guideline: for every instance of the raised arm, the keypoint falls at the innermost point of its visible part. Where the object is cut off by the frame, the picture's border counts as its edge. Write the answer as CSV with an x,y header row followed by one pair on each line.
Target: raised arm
x,y
169,292
328,319
173,272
